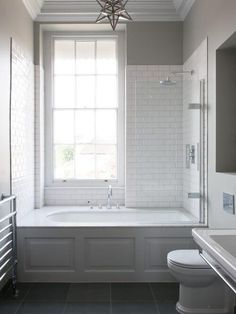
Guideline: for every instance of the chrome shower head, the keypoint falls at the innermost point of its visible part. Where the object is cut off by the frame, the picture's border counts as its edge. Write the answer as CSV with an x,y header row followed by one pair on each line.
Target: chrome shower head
x,y
167,82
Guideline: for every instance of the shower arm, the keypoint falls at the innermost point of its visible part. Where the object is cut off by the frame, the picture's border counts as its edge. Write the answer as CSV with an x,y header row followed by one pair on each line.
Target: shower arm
x,y
182,72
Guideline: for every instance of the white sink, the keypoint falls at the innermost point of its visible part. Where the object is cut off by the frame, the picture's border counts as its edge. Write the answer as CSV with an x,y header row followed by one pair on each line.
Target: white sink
x,y
227,242
221,246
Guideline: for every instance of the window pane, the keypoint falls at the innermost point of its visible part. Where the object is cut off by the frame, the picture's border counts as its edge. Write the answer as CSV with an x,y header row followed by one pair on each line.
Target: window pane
x,y
64,162
85,57
64,91
106,126
106,162
106,92
85,109
64,57
63,127
85,92
85,126
106,57
85,162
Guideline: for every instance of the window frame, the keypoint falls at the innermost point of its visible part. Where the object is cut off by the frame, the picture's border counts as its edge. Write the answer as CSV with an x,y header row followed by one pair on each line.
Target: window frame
x,y
48,55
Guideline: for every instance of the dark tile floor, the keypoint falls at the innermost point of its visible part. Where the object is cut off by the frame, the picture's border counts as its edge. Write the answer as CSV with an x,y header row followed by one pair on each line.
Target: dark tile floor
x,y
91,298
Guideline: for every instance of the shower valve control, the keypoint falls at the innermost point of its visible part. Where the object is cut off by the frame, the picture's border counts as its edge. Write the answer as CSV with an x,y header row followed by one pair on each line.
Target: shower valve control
x,y
192,154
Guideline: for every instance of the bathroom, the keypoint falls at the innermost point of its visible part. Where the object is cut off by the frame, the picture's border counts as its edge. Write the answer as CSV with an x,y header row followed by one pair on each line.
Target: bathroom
x,y
117,156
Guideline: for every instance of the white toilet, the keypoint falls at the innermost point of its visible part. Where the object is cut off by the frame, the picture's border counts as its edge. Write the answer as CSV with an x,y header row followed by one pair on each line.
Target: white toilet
x,y
201,290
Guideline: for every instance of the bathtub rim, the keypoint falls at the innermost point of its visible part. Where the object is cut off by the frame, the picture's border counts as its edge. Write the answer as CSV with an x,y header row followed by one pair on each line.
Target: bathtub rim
x,y
38,218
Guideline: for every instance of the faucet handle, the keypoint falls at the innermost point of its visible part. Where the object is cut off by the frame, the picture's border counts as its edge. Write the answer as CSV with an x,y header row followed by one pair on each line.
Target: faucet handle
x,y
110,189
90,205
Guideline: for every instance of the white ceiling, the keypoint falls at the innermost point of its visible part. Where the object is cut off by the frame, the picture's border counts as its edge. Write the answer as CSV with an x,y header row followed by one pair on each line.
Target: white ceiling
x,y
87,10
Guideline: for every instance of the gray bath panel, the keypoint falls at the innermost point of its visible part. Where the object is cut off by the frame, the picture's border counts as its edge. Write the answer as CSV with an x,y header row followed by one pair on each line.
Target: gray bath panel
x,y
62,254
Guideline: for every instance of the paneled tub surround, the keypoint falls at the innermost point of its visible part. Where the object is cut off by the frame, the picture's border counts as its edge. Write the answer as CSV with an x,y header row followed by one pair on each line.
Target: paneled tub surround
x,y
118,245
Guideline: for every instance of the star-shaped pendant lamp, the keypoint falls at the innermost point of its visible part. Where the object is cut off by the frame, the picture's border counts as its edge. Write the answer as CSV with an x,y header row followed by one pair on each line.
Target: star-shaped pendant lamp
x,y
113,10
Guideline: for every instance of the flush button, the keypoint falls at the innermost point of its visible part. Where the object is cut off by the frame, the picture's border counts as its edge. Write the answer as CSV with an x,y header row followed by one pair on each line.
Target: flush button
x,y
228,203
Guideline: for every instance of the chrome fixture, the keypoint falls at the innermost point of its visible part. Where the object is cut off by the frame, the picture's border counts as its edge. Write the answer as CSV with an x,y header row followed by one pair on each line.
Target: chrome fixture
x,y
8,249
190,155
229,203
194,106
90,205
113,10
169,82
194,195
183,72
109,196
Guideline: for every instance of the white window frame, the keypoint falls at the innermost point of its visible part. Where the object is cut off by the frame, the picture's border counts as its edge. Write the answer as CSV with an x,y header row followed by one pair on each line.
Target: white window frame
x,y
48,56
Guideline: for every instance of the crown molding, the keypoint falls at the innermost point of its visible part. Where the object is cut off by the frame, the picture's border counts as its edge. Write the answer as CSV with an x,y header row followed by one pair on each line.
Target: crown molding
x,y
91,18
87,10
33,7
183,7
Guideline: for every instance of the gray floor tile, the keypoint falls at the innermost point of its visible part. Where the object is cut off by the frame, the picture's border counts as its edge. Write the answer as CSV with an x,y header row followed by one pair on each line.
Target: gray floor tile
x,y
89,292
9,307
131,292
87,308
48,292
41,308
134,308
22,288
167,308
167,292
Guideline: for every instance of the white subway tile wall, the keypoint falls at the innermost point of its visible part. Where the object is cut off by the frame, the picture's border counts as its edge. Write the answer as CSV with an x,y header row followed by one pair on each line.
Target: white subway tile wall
x,y
39,137
191,122
22,130
154,138
158,126
82,196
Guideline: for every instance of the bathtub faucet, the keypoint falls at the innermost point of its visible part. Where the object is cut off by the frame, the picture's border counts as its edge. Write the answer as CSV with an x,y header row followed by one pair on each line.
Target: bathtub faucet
x,y
109,196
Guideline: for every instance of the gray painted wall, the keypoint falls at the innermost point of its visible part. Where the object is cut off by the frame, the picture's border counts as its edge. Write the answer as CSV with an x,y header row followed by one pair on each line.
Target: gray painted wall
x,y
215,19
226,110
150,43
14,22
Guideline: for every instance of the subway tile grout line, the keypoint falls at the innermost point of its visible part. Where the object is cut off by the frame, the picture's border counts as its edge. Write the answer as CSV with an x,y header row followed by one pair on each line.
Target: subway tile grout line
x,y
154,298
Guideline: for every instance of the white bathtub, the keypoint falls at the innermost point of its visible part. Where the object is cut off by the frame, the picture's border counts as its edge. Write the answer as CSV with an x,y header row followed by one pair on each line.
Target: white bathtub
x,y
79,244
95,217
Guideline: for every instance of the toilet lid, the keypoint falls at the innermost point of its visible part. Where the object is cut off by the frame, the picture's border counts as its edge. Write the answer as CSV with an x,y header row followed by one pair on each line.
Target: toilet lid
x,y
187,259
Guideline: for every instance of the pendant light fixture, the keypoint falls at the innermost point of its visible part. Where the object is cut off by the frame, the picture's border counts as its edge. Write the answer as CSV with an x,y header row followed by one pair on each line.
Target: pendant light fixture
x,y
113,10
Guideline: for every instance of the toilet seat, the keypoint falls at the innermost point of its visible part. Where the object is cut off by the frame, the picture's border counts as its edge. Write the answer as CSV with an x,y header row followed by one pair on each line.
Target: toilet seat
x,y
187,259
